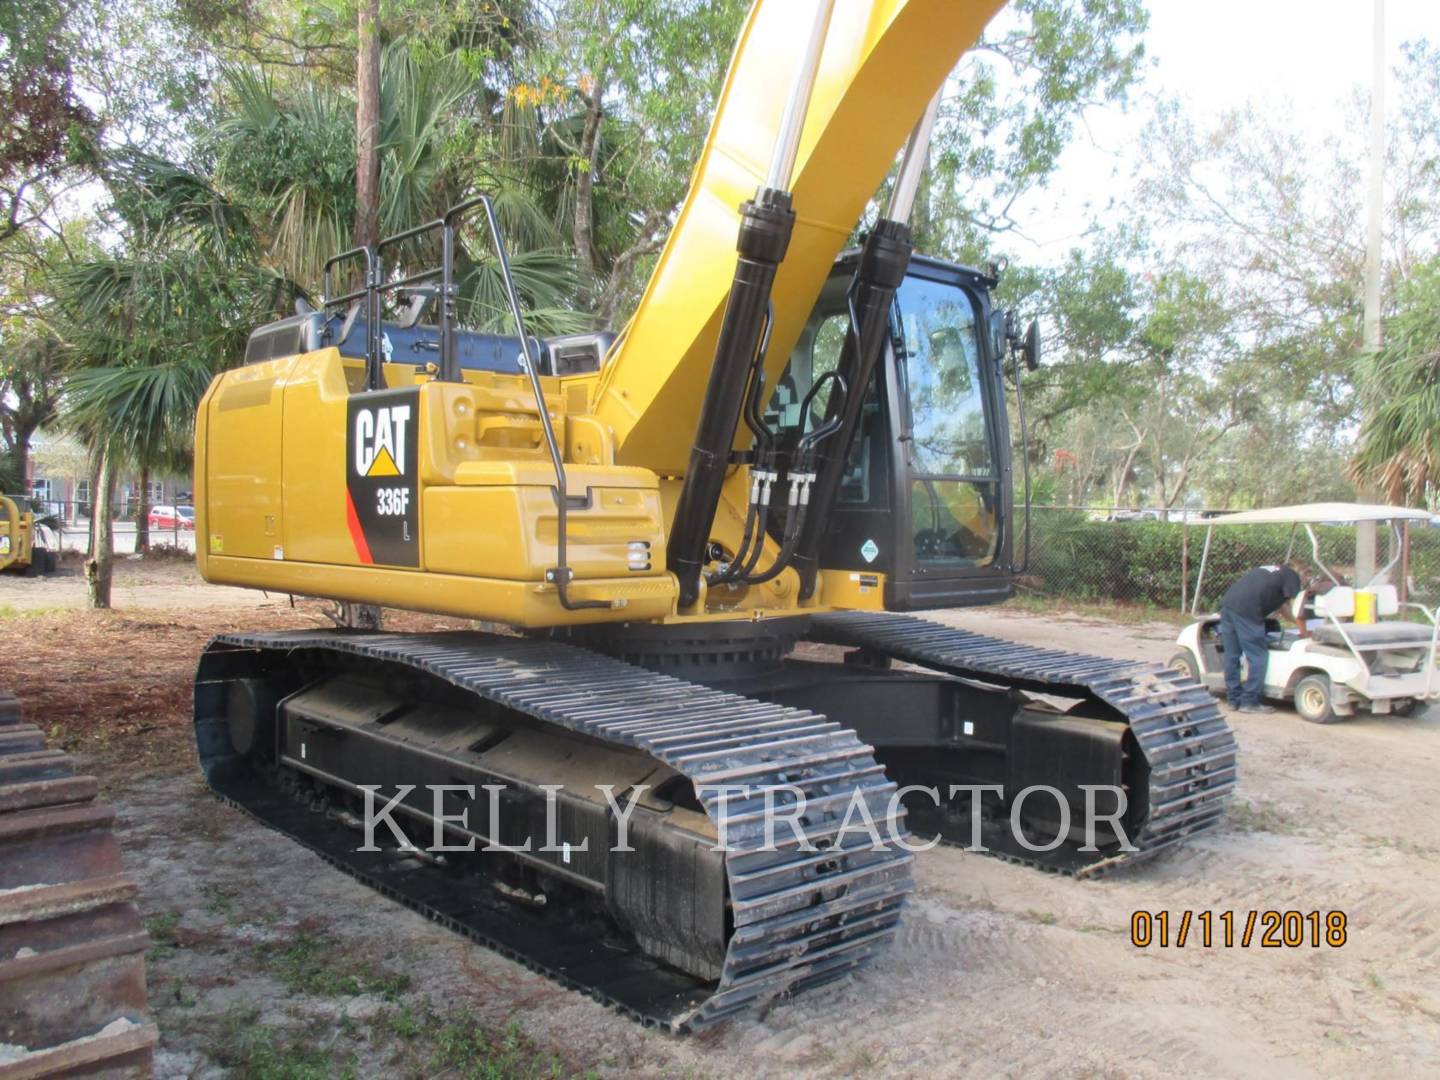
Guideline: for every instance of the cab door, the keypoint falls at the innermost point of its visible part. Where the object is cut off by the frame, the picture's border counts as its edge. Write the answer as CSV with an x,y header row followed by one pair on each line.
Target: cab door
x,y
924,502
952,466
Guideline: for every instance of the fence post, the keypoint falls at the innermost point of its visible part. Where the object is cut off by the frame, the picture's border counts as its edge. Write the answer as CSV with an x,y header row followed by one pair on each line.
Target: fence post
x,y
1184,563
1204,558
1404,586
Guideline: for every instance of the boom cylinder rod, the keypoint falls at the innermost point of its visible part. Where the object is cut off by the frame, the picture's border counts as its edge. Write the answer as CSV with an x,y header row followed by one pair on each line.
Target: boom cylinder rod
x,y
766,224
883,262
912,164
792,121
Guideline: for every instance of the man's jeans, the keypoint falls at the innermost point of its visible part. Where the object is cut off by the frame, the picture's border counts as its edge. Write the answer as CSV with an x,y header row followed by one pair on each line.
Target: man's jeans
x,y
1242,636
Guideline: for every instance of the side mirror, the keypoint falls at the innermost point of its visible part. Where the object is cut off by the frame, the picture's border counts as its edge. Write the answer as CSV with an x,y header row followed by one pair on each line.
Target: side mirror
x,y
1031,349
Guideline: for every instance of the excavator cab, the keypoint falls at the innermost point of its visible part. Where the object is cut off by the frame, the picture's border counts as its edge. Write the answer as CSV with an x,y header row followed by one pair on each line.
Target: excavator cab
x,y
925,500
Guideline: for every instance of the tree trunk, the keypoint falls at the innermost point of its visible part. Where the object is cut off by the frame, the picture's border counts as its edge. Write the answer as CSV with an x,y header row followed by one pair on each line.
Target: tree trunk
x,y
90,508
20,454
584,229
142,514
101,564
367,127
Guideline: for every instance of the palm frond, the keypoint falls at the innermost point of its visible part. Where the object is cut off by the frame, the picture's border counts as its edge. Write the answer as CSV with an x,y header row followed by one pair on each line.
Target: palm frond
x,y
144,411
168,203
545,280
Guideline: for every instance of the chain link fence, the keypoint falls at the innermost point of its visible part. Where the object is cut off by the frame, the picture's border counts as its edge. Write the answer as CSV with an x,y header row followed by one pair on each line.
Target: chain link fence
x,y
64,525
1140,557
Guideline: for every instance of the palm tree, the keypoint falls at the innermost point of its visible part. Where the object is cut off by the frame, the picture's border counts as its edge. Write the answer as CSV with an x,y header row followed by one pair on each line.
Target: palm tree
x,y
147,329
1398,450
288,149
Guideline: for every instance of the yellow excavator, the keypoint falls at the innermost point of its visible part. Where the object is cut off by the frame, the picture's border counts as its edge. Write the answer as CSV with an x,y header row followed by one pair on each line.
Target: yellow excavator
x,y
658,779
19,551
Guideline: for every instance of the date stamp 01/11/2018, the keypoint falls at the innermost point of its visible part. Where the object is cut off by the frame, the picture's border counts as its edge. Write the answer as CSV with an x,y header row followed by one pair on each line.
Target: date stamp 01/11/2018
x,y
1239,929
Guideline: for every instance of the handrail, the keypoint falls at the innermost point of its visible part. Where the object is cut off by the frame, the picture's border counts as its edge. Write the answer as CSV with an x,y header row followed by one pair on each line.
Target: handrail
x,y
449,225
1355,652
561,575
1024,466
1434,617
370,293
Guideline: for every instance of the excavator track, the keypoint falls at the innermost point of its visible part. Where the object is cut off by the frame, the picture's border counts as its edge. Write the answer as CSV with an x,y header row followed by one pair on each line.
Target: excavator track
x,y
1188,748
72,948
797,919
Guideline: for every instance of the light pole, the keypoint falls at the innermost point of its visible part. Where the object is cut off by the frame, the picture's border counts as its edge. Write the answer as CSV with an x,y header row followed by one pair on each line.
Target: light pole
x,y
1365,539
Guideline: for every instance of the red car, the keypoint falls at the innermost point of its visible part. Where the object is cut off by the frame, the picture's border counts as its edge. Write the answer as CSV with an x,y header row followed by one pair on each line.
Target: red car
x,y
171,517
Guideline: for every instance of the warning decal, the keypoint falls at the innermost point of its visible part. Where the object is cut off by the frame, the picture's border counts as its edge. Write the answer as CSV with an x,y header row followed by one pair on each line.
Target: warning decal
x,y
381,509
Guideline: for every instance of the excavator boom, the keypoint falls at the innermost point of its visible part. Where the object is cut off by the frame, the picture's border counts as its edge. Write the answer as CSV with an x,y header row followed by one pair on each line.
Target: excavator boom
x,y
882,63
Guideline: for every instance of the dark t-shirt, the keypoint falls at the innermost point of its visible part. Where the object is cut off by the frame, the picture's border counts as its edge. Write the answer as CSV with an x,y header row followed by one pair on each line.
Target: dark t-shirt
x,y
1261,591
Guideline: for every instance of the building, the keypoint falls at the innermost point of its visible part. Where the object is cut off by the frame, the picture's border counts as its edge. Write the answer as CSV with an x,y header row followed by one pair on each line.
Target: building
x,y
59,482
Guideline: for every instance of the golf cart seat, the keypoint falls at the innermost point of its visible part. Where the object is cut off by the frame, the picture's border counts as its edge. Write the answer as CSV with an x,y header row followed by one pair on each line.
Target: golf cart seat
x,y
1340,603
1375,635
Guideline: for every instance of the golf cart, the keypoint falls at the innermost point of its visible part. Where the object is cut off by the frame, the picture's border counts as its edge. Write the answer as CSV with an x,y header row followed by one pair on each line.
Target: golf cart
x,y
1359,652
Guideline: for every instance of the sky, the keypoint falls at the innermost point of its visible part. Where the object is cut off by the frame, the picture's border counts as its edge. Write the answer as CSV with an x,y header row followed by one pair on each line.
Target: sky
x,y
1303,59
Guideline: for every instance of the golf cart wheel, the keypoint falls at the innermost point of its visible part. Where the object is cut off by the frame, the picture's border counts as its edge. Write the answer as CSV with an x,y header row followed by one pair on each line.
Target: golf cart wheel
x,y
1184,662
1314,700
1405,706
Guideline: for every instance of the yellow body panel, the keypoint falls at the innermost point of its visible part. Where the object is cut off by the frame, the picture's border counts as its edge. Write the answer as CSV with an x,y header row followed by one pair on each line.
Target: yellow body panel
x,y
515,603
244,488
853,590
271,447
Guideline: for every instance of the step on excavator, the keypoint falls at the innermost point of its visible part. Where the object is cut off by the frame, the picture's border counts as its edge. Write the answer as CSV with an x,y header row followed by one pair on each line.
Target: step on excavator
x,y
698,541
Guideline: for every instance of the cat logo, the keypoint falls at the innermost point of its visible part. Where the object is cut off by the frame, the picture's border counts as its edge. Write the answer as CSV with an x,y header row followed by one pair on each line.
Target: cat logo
x,y
382,463
380,440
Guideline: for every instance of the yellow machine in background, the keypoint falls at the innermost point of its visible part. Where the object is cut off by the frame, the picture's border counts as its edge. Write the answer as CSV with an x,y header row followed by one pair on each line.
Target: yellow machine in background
x,y
786,444
18,548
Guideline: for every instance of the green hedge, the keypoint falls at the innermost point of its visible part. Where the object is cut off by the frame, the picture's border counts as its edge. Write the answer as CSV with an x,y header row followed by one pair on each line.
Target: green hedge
x,y
1140,561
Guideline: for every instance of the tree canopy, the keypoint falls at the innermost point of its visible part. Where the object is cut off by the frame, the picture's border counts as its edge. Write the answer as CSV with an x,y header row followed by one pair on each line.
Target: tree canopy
x,y
174,171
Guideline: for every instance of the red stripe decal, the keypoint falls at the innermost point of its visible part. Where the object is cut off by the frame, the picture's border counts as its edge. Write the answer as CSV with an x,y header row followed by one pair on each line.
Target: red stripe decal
x,y
357,534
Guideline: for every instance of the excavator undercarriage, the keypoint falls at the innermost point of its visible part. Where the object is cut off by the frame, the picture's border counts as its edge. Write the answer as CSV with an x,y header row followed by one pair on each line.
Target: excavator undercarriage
x,y
292,727
515,763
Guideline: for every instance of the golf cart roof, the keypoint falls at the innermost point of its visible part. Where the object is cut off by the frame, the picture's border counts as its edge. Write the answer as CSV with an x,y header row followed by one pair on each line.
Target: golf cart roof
x,y
1321,513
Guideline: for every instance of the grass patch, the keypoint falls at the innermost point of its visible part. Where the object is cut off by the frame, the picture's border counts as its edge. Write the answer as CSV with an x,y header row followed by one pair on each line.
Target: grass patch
x,y
161,929
464,1048
257,1053
178,994
219,902
407,1022
1111,611
1403,845
1044,918
316,964
1260,817
10,611
458,1044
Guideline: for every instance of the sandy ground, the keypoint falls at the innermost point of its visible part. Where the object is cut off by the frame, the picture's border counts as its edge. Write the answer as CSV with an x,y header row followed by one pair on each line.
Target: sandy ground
x,y
161,582
268,963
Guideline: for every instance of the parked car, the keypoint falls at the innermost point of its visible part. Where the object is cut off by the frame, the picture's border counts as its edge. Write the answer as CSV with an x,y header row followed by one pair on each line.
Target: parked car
x,y
172,517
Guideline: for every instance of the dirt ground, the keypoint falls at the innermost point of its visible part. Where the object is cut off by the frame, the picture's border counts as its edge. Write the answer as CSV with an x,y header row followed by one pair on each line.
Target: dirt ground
x,y
268,963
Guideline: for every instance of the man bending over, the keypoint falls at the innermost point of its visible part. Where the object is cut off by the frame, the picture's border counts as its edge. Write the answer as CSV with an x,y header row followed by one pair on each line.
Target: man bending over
x,y
1243,610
